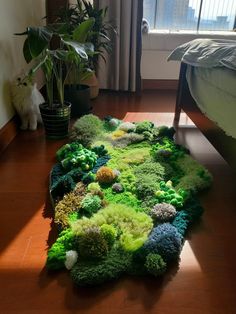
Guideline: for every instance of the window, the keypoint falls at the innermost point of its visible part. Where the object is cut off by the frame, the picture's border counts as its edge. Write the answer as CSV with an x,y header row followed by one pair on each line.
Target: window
x,y
195,15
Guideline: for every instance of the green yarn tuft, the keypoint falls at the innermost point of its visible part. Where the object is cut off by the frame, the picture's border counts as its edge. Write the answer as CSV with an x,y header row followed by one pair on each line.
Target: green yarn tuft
x,y
86,129
57,253
155,264
91,204
92,273
134,226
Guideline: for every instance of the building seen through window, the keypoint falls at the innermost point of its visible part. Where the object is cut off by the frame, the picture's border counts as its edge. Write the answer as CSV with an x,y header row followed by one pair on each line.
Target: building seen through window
x,y
203,15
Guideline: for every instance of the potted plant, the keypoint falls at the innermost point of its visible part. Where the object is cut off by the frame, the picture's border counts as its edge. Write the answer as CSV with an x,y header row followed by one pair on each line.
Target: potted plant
x,y
100,33
56,65
75,92
74,14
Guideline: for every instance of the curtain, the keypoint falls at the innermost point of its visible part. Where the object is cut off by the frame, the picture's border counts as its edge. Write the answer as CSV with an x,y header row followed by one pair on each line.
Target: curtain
x,y
122,69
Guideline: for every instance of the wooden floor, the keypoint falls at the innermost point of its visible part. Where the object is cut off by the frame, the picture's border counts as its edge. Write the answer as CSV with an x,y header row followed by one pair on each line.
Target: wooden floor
x,y
204,282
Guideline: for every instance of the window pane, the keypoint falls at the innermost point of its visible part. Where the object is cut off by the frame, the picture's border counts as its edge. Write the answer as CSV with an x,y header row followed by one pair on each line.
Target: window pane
x,y
219,16
177,14
193,14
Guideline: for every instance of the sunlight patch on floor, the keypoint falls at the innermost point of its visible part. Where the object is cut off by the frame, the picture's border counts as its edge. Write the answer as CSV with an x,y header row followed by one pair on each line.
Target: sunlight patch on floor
x,y
28,249
161,118
189,261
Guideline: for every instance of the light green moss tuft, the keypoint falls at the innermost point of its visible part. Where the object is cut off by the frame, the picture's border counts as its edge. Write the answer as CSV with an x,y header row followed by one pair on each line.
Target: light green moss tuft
x,y
134,227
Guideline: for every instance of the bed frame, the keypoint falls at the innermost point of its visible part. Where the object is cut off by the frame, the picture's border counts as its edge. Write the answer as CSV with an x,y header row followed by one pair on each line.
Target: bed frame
x,y
223,143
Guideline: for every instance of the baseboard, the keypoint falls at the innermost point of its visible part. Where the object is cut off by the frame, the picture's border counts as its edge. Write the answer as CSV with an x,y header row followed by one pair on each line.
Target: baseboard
x,y
160,84
8,132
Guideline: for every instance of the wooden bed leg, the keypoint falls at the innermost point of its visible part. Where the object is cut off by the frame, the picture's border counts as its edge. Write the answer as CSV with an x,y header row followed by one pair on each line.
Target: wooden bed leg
x,y
177,115
179,95
177,107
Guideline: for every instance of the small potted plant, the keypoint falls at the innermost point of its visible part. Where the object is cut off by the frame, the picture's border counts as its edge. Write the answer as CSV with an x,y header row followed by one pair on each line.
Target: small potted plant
x,y
75,92
99,35
56,65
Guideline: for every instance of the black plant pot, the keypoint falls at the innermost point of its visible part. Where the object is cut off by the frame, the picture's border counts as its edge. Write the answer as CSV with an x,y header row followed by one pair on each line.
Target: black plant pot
x,y
56,120
79,97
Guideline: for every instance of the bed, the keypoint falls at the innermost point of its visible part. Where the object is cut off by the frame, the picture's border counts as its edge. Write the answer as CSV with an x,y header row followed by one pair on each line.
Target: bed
x,y
207,91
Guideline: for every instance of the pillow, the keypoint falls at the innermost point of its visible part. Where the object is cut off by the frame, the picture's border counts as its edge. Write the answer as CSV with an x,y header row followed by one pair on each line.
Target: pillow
x,y
206,53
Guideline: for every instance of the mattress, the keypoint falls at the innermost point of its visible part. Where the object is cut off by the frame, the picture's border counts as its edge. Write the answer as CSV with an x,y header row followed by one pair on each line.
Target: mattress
x,y
214,91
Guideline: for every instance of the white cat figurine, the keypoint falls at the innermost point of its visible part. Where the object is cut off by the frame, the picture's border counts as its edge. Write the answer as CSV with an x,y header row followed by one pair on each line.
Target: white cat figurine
x,y
26,99
145,26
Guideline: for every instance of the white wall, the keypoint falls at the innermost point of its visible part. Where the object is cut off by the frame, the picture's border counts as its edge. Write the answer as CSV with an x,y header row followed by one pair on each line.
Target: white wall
x,y
15,16
157,47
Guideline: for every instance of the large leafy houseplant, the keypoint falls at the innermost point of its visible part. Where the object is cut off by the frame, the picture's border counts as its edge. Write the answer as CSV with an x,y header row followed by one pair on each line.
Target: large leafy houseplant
x,y
56,53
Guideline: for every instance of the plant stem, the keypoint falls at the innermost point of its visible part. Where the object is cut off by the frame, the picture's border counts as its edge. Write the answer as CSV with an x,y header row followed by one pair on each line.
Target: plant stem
x,y
49,87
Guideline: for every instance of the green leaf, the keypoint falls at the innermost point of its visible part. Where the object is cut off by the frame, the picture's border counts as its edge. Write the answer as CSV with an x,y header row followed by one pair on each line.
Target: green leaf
x,y
88,7
38,40
60,54
81,49
105,10
47,67
37,66
80,34
79,5
72,56
26,51
87,74
89,47
104,36
20,34
59,28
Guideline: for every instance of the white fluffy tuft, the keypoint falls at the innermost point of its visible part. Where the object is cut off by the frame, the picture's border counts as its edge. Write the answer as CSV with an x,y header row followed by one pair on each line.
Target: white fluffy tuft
x,y
71,259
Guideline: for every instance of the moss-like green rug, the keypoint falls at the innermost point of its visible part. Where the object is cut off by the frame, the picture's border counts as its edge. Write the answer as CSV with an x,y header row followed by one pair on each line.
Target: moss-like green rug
x,y
125,195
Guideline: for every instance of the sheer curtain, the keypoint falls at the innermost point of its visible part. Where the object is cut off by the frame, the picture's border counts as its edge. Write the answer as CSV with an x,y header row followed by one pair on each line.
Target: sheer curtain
x,y
122,69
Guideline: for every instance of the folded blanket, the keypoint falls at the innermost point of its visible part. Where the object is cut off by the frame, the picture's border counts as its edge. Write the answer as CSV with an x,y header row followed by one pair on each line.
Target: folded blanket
x,y
206,53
